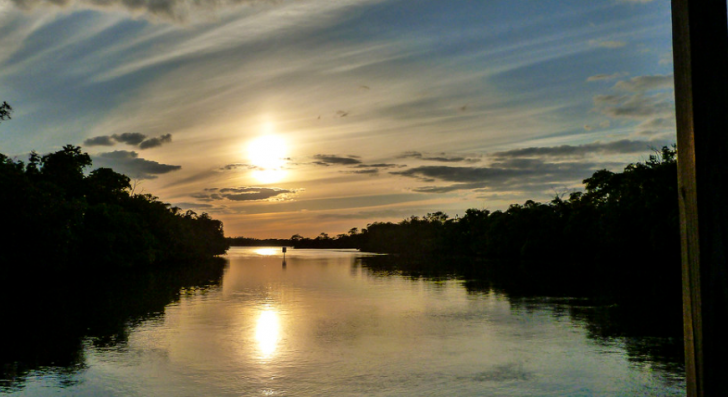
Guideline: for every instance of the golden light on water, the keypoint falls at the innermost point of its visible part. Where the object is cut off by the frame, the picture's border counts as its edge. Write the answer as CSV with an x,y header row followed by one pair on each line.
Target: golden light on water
x,y
268,154
267,251
267,332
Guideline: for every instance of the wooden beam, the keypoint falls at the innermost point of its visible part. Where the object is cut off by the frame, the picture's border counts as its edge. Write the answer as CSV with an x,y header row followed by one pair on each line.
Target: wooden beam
x,y
700,48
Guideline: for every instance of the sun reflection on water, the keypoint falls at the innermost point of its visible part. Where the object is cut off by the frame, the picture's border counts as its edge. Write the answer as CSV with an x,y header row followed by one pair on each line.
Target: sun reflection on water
x,y
267,251
267,332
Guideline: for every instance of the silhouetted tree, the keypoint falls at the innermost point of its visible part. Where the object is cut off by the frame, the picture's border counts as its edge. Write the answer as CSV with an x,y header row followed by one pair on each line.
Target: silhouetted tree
x,y
5,111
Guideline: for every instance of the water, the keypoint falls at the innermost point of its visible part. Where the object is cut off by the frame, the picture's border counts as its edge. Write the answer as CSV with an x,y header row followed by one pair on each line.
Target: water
x,y
322,324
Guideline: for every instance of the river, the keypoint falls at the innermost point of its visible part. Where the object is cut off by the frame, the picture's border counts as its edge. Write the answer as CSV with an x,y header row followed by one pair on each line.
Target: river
x,y
322,323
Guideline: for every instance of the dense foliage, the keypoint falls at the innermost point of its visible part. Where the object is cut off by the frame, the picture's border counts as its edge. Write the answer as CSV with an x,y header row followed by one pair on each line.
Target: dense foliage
x,y
64,219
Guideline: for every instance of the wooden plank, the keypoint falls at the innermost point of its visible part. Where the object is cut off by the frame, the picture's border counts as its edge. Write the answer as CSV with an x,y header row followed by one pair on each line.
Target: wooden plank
x,y
700,48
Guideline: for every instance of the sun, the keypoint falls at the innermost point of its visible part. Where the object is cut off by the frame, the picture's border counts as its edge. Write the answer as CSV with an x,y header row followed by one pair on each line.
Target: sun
x,y
268,154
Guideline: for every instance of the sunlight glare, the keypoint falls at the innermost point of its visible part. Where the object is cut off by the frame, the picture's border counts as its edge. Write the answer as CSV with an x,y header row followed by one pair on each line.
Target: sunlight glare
x,y
267,153
267,251
267,332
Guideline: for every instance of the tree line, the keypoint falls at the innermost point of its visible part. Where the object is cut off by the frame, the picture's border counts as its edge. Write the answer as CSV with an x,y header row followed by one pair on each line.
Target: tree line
x,y
63,219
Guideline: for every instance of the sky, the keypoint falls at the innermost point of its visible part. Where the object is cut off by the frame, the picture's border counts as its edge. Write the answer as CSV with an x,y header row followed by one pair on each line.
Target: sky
x,y
284,117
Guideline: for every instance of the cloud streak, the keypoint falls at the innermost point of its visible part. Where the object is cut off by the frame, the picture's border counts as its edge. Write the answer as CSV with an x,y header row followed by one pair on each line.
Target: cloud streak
x,y
330,159
440,157
167,10
245,193
566,151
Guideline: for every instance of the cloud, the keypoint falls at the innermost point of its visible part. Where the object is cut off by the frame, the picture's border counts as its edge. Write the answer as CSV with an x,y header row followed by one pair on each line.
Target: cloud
x,y
565,151
647,99
234,166
130,138
607,43
245,193
130,164
168,10
328,159
646,83
440,157
599,77
253,193
508,174
637,107
155,142
365,171
380,165
206,196
656,126
193,205
99,141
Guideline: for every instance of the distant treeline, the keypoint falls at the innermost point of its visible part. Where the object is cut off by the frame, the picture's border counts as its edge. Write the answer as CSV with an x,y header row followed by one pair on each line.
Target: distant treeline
x,y
59,219
621,233
351,240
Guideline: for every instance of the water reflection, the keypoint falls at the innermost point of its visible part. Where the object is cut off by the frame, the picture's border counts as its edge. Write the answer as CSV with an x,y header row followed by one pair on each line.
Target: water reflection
x,y
267,251
362,327
267,333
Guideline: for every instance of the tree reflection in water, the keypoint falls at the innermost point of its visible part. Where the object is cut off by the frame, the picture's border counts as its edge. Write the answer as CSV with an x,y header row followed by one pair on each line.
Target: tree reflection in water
x,y
649,331
51,319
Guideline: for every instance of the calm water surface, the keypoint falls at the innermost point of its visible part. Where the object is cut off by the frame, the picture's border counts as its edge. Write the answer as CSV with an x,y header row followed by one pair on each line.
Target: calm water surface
x,y
321,324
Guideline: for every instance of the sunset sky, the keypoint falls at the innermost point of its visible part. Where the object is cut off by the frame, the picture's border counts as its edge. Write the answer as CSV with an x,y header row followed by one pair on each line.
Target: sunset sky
x,y
308,116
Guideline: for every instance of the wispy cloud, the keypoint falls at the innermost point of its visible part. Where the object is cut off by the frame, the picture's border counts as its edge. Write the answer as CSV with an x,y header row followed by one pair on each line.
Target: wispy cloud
x,y
245,193
568,151
235,166
646,83
608,43
329,159
167,10
440,157
600,77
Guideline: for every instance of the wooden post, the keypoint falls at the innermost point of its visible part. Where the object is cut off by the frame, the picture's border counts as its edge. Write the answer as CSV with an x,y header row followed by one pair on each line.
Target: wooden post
x,y
700,47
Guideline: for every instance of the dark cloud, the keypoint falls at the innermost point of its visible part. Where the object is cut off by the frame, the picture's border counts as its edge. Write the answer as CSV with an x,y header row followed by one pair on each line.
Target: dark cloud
x,y
155,142
168,10
651,102
646,83
508,174
234,166
130,164
380,166
657,125
206,197
364,171
130,138
636,107
99,141
440,157
193,205
328,159
600,148
246,193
